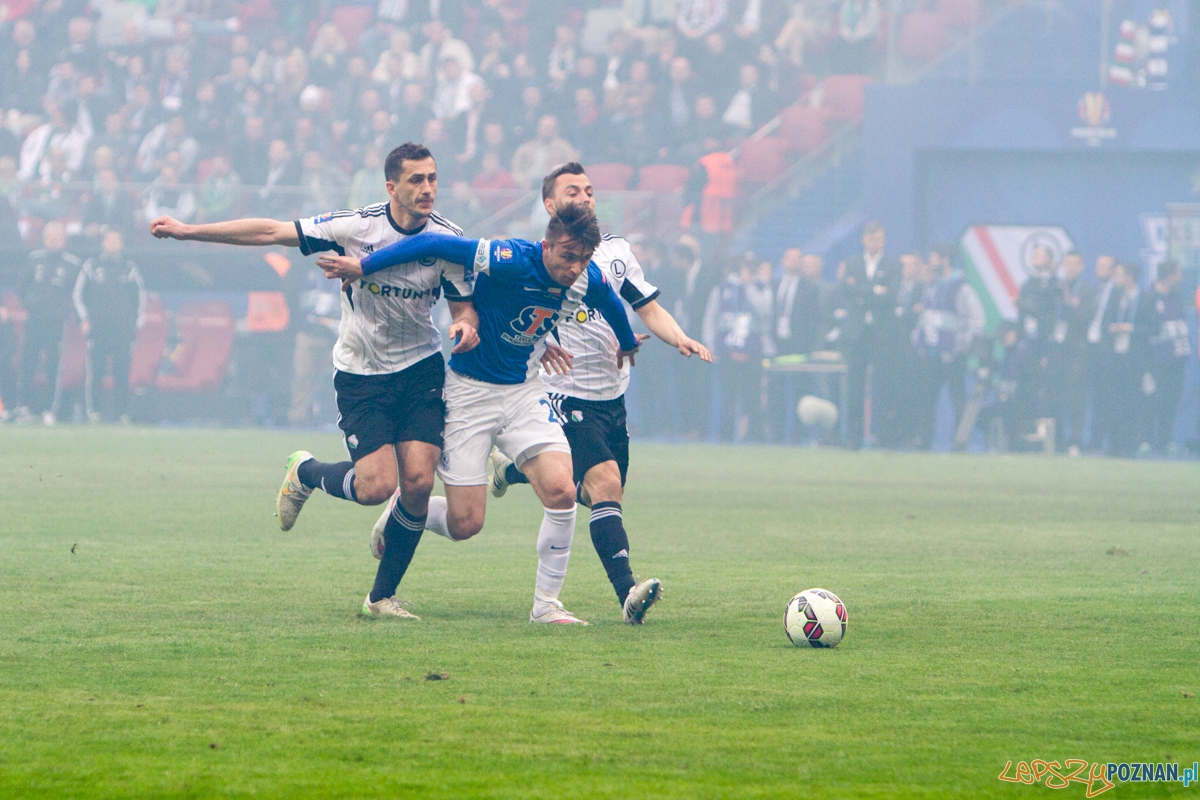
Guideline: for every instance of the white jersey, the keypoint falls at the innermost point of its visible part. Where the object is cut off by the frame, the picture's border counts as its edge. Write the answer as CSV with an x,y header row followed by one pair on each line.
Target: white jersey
x,y
387,321
587,337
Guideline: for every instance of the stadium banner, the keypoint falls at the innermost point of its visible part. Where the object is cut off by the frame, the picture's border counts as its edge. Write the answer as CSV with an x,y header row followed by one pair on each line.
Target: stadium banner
x,y
996,258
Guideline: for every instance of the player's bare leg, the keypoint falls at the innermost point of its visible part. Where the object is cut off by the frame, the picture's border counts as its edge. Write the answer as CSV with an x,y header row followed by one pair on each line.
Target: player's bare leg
x,y
551,477
458,515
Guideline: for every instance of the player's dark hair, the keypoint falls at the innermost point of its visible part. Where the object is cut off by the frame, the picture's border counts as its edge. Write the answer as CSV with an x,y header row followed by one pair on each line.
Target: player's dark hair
x,y
409,151
579,223
569,168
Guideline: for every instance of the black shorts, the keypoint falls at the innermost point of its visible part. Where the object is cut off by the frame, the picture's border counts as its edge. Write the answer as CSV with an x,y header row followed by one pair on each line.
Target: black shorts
x,y
596,431
405,406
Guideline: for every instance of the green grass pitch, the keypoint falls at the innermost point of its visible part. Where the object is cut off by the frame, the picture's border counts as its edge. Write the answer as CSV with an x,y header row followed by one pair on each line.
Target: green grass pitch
x,y
160,637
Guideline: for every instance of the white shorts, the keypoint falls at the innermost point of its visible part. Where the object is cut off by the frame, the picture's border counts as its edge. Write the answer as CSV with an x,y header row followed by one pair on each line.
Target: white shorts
x,y
518,419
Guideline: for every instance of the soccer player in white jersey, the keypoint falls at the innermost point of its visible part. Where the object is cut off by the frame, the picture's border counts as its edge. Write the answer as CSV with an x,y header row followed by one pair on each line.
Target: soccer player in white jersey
x,y
590,396
494,396
389,366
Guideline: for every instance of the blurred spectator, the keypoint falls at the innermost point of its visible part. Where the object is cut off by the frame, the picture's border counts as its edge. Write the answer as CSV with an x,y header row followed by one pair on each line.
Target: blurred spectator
x,y
110,301
859,25
46,295
493,176
206,118
165,197
697,18
66,132
441,44
317,320
1098,358
326,57
1128,326
23,84
1171,347
951,320
561,61
1037,307
367,184
453,95
808,25
250,152
324,185
282,171
734,330
166,137
538,156
413,112
398,62
107,207
751,104
1071,337
799,303
635,134
585,125
680,98
718,69
872,280
219,193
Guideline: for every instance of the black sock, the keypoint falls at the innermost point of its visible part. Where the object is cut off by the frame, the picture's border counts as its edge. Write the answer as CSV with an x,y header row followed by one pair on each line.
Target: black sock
x,y
514,475
612,545
401,535
336,479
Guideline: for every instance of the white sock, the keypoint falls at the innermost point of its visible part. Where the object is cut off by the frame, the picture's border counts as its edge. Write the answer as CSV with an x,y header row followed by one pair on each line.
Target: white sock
x,y
436,521
554,550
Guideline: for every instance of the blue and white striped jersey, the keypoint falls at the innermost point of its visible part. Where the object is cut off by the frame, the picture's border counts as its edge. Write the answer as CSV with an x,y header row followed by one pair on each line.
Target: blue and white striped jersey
x,y
386,324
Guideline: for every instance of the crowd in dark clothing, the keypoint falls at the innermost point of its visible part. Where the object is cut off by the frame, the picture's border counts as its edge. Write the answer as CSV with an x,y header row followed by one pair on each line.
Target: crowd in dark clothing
x,y
1101,356
194,102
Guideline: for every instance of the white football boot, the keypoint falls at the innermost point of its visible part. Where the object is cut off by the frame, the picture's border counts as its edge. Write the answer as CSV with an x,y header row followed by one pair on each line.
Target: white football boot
x,y
387,607
555,614
377,544
643,595
292,493
499,463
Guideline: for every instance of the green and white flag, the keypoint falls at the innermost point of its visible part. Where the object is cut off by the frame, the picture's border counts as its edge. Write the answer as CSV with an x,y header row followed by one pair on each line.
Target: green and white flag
x,y
997,263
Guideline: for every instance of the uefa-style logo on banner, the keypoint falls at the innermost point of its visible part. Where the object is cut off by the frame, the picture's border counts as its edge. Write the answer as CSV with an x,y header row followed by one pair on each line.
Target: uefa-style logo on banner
x,y
1094,113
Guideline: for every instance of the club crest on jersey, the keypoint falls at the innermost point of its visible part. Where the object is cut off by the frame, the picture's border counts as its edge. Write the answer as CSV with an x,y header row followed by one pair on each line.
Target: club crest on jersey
x,y
531,324
576,416
618,268
352,440
323,218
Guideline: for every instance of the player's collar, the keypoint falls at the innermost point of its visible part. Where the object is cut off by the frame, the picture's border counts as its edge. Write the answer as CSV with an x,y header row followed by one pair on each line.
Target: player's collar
x,y
413,231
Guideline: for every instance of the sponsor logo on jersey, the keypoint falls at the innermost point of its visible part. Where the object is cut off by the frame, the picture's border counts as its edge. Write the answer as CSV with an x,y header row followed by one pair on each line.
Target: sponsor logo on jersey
x,y
618,268
401,292
530,325
584,314
368,249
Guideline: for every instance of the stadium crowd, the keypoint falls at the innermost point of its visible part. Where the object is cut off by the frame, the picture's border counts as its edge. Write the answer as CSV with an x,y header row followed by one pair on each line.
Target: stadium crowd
x,y
1102,354
117,112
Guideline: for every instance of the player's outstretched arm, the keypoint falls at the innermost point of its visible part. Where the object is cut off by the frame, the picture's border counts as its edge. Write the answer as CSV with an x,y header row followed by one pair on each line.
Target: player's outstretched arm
x,y
252,232
455,249
663,325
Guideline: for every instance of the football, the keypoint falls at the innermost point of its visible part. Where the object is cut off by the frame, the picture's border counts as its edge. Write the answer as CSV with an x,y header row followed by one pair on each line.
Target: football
x,y
816,618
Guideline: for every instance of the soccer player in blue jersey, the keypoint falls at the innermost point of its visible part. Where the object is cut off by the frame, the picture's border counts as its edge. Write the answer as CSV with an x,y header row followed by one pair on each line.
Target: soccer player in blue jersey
x,y
493,393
